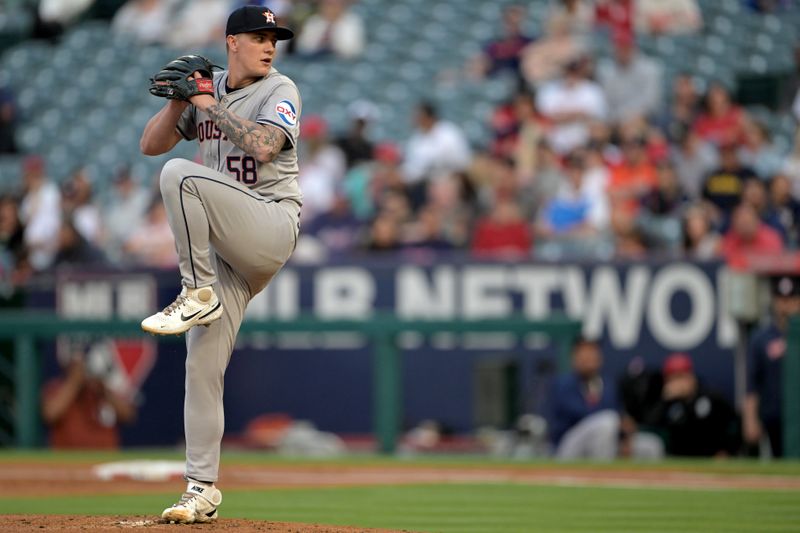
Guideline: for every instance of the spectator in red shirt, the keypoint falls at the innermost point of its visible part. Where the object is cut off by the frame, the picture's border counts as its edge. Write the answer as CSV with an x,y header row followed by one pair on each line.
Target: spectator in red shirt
x,y
755,194
616,15
722,121
749,236
503,232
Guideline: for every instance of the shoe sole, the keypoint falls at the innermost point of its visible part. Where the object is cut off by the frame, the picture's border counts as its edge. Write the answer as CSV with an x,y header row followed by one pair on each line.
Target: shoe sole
x,y
179,518
176,518
186,326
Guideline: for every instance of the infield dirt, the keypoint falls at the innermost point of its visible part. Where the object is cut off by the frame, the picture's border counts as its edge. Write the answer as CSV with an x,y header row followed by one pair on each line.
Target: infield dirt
x,y
22,523
27,478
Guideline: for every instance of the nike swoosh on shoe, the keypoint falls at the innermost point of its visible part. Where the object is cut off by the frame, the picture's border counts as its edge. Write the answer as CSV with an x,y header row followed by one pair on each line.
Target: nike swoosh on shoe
x,y
185,318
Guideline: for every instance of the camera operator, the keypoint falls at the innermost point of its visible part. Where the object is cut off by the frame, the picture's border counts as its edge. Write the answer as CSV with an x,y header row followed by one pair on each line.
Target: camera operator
x,y
81,408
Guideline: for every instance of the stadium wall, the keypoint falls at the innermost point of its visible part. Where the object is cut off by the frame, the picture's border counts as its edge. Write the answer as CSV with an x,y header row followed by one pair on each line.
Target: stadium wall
x,y
639,310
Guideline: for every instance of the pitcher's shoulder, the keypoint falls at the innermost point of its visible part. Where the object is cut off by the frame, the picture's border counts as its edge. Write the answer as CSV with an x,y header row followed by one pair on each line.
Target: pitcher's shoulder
x,y
277,78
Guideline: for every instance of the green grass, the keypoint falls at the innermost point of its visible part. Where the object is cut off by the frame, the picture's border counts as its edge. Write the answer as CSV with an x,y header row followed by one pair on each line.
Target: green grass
x,y
477,508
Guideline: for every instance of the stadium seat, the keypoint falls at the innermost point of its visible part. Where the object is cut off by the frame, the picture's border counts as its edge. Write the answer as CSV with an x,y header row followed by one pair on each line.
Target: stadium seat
x,y
10,173
721,25
731,8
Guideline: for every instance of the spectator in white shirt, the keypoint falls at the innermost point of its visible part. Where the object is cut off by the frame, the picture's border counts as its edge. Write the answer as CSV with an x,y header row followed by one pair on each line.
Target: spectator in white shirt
x,y
322,167
124,213
78,207
63,12
147,21
435,147
333,30
631,82
693,159
571,104
791,166
40,212
578,210
667,17
758,151
796,105
199,23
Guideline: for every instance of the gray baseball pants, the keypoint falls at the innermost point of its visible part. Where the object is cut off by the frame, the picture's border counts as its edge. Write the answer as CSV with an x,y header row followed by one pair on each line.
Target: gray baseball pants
x,y
234,239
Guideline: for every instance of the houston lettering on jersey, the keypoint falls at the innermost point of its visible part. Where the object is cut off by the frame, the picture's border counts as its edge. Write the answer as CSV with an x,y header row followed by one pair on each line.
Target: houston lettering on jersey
x,y
208,130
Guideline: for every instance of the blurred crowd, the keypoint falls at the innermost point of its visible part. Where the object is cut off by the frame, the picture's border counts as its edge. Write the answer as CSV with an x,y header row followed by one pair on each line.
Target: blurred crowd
x,y
590,158
326,26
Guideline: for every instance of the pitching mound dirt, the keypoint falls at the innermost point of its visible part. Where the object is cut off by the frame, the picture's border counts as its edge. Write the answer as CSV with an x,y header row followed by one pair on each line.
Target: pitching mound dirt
x,y
14,523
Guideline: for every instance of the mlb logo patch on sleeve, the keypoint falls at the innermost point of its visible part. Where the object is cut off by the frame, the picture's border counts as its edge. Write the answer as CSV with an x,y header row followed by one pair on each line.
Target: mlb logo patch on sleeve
x,y
287,112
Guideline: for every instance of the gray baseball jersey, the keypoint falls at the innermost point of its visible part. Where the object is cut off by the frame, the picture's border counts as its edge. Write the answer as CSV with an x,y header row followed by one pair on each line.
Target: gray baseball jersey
x,y
273,100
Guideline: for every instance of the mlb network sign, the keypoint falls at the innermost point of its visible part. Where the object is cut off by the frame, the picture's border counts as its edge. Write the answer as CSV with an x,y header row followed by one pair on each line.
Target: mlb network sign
x,y
676,306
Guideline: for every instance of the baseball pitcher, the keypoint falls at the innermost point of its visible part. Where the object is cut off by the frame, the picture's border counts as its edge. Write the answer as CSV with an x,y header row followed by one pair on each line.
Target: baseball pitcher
x,y
234,218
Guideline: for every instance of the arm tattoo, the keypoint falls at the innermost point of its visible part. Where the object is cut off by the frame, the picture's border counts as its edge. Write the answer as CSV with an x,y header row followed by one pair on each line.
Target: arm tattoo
x,y
261,141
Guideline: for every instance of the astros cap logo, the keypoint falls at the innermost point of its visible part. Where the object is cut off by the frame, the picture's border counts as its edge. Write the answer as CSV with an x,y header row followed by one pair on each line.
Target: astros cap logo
x,y
270,16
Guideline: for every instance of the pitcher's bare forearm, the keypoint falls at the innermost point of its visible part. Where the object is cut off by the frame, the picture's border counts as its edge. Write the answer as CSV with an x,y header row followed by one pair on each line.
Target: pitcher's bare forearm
x,y
159,135
259,140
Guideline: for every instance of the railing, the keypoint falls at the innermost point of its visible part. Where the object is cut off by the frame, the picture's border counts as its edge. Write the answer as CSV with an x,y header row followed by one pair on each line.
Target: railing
x,y
791,391
25,328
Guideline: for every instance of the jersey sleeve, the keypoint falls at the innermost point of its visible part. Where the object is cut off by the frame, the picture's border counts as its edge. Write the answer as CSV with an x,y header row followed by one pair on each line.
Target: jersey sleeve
x,y
187,125
282,109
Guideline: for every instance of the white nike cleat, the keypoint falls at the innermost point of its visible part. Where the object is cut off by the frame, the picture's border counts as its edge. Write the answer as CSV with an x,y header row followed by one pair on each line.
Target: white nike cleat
x,y
192,307
198,504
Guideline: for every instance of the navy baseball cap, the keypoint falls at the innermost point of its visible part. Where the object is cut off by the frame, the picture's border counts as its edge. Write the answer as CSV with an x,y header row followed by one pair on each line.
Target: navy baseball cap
x,y
255,18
